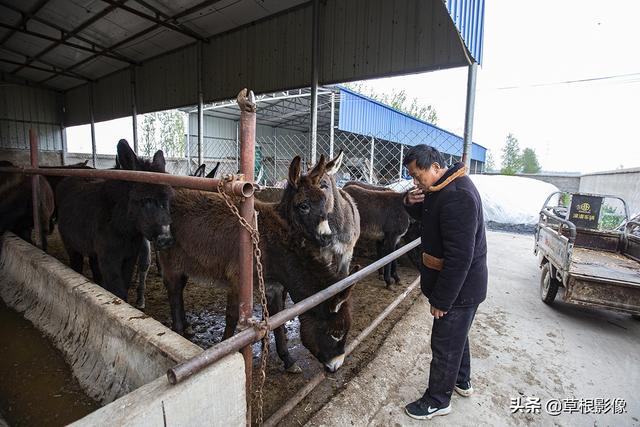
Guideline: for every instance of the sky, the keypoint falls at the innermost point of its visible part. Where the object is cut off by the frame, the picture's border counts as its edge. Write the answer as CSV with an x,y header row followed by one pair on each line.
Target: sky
x,y
531,49
535,53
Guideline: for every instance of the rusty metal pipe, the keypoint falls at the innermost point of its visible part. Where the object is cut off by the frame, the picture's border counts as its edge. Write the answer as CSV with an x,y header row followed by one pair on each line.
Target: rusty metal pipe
x,y
245,293
290,404
35,190
239,188
211,355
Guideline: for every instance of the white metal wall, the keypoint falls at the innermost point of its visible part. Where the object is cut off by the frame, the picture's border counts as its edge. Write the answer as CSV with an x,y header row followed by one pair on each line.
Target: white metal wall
x,y
23,107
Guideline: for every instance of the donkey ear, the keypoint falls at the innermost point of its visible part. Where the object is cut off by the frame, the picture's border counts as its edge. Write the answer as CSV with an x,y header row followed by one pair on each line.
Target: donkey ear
x,y
200,171
158,161
319,169
126,158
294,171
336,303
213,172
334,165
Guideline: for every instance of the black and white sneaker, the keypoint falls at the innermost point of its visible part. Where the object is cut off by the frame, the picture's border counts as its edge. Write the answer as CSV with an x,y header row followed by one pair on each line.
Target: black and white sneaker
x,y
464,389
421,410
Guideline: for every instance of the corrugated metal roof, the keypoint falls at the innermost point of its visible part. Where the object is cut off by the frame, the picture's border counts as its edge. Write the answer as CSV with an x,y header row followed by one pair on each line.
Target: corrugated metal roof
x,y
363,115
468,15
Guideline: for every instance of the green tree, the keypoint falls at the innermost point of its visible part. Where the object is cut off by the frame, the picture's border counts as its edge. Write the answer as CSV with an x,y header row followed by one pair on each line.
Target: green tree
x,y
148,134
511,157
490,164
398,99
530,161
163,130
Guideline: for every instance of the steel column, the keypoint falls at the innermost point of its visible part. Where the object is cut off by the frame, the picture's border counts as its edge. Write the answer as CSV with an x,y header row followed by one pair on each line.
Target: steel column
x,y
188,142
94,155
373,141
470,108
134,110
245,297
35,190
200,107
401,160
331,124
313,132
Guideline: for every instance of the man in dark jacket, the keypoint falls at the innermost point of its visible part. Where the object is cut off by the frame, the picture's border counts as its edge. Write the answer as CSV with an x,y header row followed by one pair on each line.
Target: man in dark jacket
x,y
453,273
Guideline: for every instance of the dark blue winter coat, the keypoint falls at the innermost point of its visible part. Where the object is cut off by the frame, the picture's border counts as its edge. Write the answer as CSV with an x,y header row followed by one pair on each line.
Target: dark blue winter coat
x,y
454,268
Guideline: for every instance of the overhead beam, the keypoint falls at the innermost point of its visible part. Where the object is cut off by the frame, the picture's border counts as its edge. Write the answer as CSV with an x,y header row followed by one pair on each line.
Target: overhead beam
x,y
45,62
71,33
167,17
133,37
25,18
48,70
164,23
56,41
33,17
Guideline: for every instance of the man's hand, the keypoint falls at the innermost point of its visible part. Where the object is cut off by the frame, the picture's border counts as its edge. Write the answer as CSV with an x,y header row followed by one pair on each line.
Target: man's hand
x,y
437,313
414,196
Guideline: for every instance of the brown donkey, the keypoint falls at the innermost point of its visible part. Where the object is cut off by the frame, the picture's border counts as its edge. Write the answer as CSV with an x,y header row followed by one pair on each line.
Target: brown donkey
x,y
383,219
206,248
16,205
344,220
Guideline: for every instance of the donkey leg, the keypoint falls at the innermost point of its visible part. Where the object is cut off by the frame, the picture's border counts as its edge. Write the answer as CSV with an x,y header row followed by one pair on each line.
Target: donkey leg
x,y
388,248
394,265
75,260
144,261
128,265
380,254
275,302
175,285
95,270
231,316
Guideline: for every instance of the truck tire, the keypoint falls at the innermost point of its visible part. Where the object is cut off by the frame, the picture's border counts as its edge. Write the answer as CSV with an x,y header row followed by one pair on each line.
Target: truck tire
x,y
548,285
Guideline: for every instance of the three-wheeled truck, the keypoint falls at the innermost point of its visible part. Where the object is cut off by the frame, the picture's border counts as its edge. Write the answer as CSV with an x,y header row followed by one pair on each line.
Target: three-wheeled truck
x,y
586,250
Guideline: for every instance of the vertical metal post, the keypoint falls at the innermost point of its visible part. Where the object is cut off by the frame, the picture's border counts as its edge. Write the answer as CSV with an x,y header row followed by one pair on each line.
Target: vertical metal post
x,y
331,124
237,145
63,140
188,142
313,132
200,106
35,190
401,160
134,110
275,154
470,108
94,156
373,141
247,160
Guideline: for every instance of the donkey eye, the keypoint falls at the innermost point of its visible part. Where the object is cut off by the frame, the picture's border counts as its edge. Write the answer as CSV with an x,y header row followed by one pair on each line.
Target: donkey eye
x,y
304,207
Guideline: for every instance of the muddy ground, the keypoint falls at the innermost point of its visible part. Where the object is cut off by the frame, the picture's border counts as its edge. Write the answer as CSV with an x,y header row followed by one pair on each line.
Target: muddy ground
x,y
205,311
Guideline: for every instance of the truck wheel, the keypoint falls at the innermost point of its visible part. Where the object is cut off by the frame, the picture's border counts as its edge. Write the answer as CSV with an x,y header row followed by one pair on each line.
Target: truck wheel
x,y
548,285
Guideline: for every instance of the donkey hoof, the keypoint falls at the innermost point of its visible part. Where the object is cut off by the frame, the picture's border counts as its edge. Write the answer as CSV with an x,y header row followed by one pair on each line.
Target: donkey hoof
x,y
188,331
294,369
140,305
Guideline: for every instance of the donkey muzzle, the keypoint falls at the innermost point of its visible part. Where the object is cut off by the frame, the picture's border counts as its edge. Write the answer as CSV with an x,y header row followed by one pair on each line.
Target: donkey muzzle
x,y
164,239
335,363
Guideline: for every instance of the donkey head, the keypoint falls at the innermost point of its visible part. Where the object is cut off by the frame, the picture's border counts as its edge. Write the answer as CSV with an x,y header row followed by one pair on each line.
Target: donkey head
x,y
305,204
148,204
324,330
327,182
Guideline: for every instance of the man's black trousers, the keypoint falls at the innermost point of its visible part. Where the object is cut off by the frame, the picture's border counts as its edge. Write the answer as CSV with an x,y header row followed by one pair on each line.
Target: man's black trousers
x,y
451,361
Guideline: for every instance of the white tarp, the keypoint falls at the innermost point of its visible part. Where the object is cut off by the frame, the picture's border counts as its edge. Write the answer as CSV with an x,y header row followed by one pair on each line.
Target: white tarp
x,y
505,199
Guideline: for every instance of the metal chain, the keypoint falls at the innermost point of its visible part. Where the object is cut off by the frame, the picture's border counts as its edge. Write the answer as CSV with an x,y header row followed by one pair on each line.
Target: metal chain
x,y
264,324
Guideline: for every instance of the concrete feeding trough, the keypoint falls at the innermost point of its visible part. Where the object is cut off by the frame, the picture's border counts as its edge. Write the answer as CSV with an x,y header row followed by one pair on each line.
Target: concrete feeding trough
x,y
118,354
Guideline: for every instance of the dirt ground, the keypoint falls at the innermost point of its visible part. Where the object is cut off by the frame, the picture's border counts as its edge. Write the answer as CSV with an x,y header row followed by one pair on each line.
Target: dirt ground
x,y
205,308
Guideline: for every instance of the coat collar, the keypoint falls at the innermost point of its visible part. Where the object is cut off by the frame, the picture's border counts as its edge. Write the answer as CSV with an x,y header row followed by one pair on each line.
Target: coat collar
x,y
453,173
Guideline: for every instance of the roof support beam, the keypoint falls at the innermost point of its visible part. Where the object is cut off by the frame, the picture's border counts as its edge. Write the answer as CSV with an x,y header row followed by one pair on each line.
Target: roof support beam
x,y
56,41
53,66
167,18
164,23
33,17
48,70
25,17
72,33
139,34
